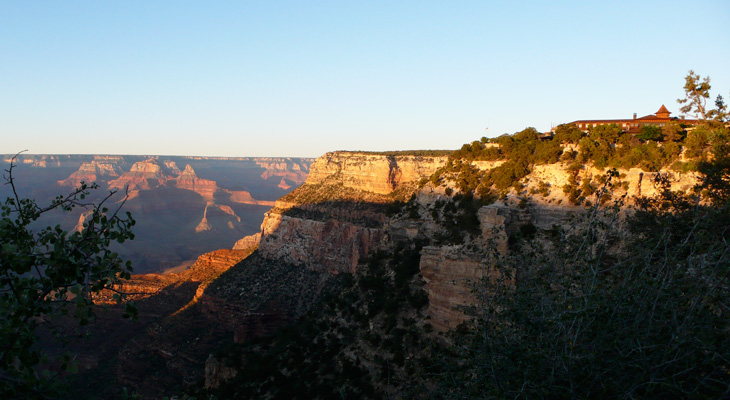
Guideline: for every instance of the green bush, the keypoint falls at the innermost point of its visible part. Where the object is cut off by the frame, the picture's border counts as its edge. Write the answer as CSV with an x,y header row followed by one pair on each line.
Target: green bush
x,y
650,132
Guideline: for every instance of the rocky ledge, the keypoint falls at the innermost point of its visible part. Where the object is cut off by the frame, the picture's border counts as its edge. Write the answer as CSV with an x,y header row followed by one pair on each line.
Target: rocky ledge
x,y
336,218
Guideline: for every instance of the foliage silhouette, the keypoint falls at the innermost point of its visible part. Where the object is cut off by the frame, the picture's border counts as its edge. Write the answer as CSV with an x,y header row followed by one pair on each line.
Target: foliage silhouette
x,y
49,271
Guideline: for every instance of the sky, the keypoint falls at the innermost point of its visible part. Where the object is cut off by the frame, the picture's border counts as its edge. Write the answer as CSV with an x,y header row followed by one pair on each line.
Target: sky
x,y
301,78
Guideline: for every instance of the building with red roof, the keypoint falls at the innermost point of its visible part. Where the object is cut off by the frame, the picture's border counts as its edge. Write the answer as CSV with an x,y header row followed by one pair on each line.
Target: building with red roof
x,y
633,125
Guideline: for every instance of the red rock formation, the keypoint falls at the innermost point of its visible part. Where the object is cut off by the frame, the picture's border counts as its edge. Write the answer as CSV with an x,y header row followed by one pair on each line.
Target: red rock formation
x,y
287,169
138,287
206,268
204,225
89,172
210,265
190,181
143,175
244,197
172,168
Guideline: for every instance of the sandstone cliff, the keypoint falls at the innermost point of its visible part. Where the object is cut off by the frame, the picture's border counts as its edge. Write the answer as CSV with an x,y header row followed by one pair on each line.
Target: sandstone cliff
x,y
190,181
291,174
336,218
89,172
143,175
451,270
373,173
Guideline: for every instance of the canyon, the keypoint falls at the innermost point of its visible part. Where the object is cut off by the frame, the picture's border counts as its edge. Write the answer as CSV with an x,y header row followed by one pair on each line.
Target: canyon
x,y
184,206
352,208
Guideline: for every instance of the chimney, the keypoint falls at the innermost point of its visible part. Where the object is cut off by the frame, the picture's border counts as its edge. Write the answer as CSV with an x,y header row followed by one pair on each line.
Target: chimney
x,y
634,115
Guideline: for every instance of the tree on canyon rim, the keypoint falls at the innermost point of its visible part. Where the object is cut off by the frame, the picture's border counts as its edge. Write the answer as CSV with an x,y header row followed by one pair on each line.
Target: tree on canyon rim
x,y
696,95
49,271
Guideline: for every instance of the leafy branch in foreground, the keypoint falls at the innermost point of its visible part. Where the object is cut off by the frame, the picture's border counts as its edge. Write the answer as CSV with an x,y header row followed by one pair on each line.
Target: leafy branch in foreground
x,y
48,272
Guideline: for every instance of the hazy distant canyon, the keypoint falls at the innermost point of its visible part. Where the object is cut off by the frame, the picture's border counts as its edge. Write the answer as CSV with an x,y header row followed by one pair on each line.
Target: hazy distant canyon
x,y
184,206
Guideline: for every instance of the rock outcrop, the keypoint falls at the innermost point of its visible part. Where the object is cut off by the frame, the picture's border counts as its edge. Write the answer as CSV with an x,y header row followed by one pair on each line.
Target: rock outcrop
x,y
351,206
248,241
331,245
380,174
451,275
337,216
244,197
190,181
90,172
291,173
453,272
205,270
631,182
211,203
143,175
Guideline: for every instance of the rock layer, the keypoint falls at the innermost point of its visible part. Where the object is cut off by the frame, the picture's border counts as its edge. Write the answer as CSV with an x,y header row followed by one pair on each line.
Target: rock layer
x,y
90,172
371,172
143,175
332,246
190,181
336,218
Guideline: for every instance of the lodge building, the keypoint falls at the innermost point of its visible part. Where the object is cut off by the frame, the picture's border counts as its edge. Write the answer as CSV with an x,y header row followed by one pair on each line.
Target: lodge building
x,y
659,118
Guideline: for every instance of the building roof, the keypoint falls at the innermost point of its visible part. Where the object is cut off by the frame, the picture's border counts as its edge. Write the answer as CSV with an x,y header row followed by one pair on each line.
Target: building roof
x,y
661,115
633,124
662,110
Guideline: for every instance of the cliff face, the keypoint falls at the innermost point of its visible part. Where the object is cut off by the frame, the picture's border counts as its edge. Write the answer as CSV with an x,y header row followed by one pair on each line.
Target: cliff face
x,y
631,182
92,172
332,245
373,173
190,181
450,274
453,271
337,216
290,174
143,175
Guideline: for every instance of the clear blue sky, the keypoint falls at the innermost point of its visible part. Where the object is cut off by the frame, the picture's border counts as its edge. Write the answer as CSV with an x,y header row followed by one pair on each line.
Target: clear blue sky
x,y
286,78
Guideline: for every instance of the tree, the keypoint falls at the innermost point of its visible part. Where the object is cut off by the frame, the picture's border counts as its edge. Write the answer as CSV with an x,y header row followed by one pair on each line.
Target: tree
x,y
697,142
49,271
720,112
696,95
568,133
650,132
673,132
